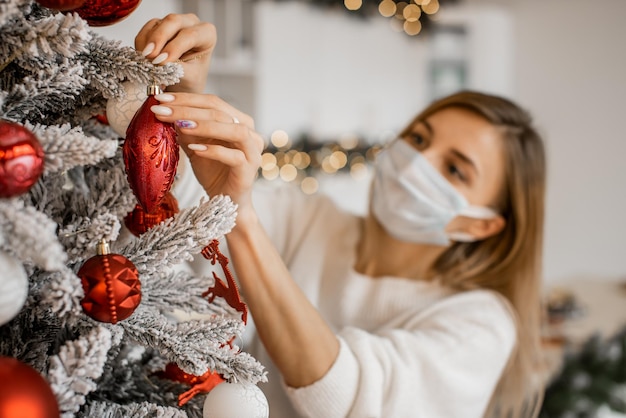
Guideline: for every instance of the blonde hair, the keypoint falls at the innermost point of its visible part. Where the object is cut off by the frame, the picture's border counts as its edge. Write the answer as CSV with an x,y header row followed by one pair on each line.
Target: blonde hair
x,y
509,263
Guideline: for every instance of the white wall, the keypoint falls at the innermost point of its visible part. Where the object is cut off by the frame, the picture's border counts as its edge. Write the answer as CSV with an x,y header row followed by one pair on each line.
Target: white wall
x,y
570,72
126,29
328,74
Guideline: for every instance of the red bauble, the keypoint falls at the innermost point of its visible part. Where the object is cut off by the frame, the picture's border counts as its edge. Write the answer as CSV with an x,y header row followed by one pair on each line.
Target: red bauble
x,y
62,5
106,12
138,221
24,393
21,159
150,156
111,284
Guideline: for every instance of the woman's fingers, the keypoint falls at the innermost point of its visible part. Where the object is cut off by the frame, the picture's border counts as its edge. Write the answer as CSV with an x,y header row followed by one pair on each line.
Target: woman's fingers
x,y
204,101
175,36
229,135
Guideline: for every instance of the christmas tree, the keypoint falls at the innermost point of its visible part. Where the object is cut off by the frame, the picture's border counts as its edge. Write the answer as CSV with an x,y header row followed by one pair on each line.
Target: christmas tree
x,y
64,193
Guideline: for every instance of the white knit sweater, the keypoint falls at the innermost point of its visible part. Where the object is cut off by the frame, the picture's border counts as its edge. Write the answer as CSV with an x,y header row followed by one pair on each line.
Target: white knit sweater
x,y
408,348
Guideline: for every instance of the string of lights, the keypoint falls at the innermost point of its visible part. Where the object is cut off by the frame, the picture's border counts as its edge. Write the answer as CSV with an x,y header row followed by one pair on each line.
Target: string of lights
x,y
411,17
303,161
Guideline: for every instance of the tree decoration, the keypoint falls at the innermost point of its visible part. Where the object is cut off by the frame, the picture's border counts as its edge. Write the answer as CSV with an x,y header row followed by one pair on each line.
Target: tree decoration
x,y
111,285
61,5
138,221
247,400
230,293
106,12
21,159
150,154
56,75
120,111
13,287
24,393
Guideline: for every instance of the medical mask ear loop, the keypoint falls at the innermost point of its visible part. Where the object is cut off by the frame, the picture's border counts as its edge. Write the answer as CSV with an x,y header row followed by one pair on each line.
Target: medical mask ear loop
x,y
475,212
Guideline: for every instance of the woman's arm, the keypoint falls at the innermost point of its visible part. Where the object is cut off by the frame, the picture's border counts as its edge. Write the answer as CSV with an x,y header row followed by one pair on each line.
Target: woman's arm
x,y
225,154
297,338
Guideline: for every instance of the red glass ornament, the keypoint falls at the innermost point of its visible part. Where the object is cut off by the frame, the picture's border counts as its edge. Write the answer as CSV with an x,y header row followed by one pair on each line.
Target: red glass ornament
x,y
21,159
111,284
138,221
106,12
61,5
24,392
150,155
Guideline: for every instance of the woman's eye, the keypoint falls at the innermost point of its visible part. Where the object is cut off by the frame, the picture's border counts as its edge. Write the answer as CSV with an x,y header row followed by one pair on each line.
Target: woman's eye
x,y
417,139
455,172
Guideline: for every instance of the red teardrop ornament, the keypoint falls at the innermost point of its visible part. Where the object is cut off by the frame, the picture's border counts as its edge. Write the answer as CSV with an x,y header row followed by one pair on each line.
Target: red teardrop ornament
x,y
106,12
150,156
138,221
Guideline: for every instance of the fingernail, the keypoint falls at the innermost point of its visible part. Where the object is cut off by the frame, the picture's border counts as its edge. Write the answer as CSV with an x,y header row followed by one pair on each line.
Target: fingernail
x,y
161,110
164,97
189,124
197,147
160,58
148,49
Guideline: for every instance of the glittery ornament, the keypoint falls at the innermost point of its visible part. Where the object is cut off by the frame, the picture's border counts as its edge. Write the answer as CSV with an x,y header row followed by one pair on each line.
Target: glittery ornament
x,y
120,111
150,155
61,5
236,400
106,12
138,221
24,393
13,287
111,285
21,159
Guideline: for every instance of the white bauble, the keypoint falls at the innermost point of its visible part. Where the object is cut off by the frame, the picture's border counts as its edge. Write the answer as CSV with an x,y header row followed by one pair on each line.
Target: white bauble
x,y
121,111
236,400
13,287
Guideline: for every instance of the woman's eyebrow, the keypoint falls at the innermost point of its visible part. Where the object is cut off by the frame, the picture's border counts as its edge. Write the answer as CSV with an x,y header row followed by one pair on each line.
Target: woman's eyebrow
x,y
427,125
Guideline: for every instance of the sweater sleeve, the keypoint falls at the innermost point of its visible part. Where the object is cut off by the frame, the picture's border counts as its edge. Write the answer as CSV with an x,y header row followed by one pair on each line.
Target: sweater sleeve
x,y
444,362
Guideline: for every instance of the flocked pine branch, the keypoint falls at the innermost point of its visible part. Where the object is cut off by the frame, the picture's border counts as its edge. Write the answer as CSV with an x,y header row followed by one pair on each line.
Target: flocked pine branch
x,y
66,147
196,346
61,293
178,238
9,9
107,64
144,409
74,370
30,235
180,290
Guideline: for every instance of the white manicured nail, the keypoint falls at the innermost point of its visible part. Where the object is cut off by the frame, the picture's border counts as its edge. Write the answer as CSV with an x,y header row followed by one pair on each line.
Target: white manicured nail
x,y
161,110
164,97
197,147
148,49
160,58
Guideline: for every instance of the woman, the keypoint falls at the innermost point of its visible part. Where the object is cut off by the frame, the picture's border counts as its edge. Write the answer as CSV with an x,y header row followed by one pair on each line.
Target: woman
x,y
426,307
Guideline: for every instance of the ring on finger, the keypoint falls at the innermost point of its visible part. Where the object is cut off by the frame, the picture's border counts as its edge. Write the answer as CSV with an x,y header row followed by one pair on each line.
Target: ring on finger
x,y
235,120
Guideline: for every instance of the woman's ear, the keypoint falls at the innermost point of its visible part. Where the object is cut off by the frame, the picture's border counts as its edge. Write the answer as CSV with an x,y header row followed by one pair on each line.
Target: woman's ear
x,y
485,228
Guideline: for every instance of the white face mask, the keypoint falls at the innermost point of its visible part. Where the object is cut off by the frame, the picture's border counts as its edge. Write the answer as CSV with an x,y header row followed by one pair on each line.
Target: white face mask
x,y
414,202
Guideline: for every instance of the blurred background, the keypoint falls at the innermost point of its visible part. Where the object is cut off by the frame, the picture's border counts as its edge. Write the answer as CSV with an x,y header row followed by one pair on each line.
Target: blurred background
x,y
318,71
328,82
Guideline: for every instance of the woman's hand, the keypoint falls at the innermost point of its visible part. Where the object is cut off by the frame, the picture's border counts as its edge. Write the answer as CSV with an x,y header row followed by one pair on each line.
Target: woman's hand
x,y
183,38
220,141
